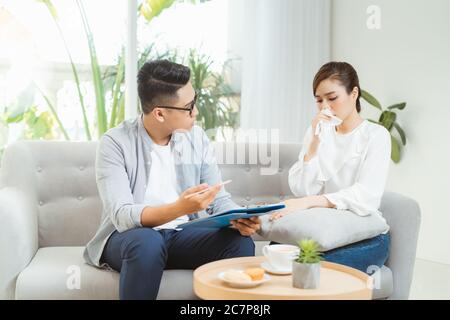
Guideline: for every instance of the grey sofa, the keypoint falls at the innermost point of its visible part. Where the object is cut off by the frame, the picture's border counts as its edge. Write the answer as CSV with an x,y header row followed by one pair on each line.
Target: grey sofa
x,y
49,209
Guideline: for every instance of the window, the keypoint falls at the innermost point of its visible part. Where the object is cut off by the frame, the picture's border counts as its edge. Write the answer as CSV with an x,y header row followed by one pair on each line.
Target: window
x,y
39,97
36,63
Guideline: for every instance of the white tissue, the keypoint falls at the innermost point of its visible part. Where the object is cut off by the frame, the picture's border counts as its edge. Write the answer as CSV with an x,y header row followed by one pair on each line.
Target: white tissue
x,y
333,152
326,125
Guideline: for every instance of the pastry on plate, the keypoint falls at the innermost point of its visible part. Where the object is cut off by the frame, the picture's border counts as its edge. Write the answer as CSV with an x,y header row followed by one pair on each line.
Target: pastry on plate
x,y
255,273
236,276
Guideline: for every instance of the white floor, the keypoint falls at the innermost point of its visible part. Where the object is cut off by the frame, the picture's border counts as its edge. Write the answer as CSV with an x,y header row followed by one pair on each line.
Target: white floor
x,y
431,280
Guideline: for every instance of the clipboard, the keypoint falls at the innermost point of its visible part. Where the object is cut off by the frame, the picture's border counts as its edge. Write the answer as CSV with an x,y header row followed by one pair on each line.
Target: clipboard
x,y
222,220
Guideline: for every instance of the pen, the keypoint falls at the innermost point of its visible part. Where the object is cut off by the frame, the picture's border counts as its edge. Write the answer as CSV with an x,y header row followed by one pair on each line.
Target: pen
x,y
202,191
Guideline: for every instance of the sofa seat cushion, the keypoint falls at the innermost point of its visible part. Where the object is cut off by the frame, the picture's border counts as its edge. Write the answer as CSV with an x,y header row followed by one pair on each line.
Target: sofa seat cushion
x,y
52,274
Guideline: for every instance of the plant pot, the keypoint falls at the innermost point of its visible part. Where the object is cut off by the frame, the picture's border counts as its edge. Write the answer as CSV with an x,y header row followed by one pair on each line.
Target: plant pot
x,y
305,275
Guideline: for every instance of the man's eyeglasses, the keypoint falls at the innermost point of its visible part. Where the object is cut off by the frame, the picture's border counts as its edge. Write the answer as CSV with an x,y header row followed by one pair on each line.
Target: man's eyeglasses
x,y
189,107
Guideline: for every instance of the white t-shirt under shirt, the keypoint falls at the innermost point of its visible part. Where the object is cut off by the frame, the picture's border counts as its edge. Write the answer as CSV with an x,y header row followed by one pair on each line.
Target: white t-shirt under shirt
x,y
162,183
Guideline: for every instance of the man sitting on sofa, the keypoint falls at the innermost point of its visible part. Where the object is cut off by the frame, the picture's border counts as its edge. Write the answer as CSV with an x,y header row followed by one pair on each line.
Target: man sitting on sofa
x,y
145,169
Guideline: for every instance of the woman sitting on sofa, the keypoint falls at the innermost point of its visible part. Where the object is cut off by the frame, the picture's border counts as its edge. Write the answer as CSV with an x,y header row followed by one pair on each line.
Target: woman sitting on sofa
x,y
343,163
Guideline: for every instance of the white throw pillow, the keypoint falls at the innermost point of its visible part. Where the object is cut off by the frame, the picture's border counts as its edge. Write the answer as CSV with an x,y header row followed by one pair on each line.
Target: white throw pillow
x,y
331,228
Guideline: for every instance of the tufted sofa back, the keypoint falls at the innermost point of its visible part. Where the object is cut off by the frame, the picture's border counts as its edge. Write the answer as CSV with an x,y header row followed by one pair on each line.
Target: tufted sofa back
x,y
60,178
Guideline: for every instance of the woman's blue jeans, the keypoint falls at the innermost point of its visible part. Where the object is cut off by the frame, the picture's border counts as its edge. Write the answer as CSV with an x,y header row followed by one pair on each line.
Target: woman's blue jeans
x,y
364,255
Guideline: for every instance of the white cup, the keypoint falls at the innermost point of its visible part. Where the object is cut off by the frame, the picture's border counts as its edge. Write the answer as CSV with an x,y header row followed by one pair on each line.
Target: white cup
x,y
280,256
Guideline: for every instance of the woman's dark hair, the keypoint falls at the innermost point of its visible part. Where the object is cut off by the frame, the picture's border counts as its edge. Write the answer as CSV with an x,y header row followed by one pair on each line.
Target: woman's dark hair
x,y
344,73
158,80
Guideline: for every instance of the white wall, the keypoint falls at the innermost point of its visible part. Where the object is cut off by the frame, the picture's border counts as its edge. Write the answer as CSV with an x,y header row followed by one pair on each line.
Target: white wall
x,y
408,59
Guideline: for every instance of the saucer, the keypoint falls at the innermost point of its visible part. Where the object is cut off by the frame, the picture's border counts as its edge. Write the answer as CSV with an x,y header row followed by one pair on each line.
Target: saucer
x,y
267,267
240,284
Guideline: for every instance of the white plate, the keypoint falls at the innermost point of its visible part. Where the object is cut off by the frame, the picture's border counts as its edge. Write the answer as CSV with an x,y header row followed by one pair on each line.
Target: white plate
x,y
266,266
239,284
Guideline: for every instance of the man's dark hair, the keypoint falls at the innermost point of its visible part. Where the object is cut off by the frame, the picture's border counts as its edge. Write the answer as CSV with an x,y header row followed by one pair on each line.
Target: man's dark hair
x,y
159,81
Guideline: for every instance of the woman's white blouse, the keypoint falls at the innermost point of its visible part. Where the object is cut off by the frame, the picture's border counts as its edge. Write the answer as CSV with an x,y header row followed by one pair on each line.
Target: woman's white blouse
x,y
350,170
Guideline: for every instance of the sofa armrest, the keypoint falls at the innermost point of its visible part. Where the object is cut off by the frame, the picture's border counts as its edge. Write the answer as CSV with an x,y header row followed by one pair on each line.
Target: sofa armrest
x,y
403,216
18,237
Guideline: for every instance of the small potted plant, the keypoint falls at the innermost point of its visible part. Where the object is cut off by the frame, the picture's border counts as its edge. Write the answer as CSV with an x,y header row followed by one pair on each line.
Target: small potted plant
x,y
306,267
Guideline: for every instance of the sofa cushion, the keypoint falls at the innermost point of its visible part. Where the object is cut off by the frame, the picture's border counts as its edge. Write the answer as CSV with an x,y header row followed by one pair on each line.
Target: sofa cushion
x,y
54,268
331,228
48,274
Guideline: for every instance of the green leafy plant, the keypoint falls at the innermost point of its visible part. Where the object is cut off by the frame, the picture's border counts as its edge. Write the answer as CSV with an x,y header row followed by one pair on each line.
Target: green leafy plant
x,y
4,131
38,125
309,252
214,111
152,8
114,81
215,97
54,14
388,119
149,9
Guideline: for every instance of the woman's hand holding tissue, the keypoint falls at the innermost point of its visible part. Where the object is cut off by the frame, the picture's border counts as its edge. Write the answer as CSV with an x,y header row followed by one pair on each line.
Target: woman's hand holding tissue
x,y
321,125
326,125
312,149
319,117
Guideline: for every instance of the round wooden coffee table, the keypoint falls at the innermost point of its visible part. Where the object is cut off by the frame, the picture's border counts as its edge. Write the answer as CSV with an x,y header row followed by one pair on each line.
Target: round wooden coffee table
x,y
336,282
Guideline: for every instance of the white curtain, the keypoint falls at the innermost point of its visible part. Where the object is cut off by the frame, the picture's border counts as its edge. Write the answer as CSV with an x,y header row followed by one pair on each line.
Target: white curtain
x,y
282,44
131,62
